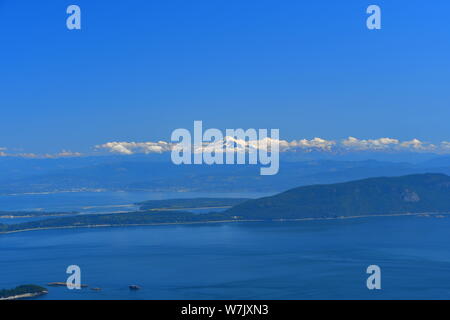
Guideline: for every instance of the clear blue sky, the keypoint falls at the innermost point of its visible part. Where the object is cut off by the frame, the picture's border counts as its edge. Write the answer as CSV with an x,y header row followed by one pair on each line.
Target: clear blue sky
x,y
139,69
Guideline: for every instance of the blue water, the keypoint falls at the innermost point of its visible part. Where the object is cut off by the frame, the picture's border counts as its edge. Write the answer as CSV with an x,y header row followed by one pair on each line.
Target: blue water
x,y
94,202
282,260
98,202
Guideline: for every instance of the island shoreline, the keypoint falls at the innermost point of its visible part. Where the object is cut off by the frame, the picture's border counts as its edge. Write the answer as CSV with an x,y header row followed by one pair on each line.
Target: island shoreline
x,y
228,221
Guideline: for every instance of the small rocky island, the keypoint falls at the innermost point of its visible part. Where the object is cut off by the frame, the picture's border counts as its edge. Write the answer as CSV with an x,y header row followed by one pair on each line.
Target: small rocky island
x,y
22,292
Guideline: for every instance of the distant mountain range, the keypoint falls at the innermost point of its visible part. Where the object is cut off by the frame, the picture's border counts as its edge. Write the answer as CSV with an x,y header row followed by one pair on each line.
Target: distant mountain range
x,y
119,173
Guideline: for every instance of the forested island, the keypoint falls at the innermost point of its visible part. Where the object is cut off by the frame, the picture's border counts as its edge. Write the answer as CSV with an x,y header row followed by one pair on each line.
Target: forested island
x,y
422,193
116,219
24,291
414,194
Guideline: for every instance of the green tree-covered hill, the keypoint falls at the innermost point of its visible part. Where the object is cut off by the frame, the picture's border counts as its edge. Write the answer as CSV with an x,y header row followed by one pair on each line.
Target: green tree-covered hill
x,y
406,194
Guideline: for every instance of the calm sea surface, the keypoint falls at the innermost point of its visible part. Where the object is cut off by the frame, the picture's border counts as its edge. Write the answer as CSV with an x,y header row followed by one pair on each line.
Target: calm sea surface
x,y
285,260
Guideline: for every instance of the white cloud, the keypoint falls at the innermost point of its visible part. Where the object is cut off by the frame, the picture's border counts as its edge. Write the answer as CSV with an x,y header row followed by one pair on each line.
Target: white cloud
x,y
389,145
26,155
313,144
303,145
414,144
136,147
65,153
370,144
445,146
62,154
232,144
418,145
227,144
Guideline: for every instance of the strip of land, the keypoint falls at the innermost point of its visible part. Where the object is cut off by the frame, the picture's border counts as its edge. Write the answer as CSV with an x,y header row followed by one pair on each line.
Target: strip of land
x,y
33,214
435,214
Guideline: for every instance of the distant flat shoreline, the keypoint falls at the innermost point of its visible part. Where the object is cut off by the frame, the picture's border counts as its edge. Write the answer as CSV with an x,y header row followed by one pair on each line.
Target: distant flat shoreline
x,y
36,216
193,208
229,221
6,216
